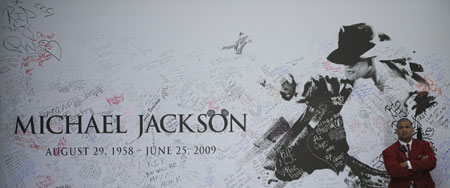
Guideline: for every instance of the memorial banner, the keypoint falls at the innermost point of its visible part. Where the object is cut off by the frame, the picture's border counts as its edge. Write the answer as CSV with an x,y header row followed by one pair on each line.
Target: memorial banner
x,y
234,94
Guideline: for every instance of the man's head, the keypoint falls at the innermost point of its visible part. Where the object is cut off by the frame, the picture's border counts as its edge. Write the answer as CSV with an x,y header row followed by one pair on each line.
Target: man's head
x,y
354,41
359,69
404,130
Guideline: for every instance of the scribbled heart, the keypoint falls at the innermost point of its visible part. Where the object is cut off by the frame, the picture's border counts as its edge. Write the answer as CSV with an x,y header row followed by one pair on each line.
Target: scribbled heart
x,y
52,47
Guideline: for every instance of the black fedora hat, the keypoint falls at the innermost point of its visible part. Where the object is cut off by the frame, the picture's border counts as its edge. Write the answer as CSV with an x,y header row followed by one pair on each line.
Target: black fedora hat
x,y
354,40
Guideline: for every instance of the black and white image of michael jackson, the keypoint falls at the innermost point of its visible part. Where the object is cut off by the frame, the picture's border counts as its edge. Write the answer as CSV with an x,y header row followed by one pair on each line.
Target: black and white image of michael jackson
x,y
317,140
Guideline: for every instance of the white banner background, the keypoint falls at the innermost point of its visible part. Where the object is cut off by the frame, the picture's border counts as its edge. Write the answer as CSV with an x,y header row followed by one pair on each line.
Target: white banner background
x,y
165,57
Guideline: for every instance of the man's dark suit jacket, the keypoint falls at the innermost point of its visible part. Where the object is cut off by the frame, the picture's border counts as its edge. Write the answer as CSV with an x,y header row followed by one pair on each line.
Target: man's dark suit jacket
x,y
420,172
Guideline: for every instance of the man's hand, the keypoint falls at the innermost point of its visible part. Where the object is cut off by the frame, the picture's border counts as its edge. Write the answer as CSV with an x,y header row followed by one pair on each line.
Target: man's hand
x,y
404,164
422,157
288,86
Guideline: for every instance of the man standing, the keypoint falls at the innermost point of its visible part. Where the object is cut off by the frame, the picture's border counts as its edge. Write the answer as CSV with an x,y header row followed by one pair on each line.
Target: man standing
x,y
409,161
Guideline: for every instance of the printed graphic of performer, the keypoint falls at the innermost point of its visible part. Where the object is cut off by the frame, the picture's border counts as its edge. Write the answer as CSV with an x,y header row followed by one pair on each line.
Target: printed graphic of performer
x,y
409,161
317,140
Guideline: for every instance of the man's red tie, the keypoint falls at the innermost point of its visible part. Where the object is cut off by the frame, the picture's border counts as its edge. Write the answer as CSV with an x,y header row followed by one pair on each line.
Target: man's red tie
x,y
409,156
